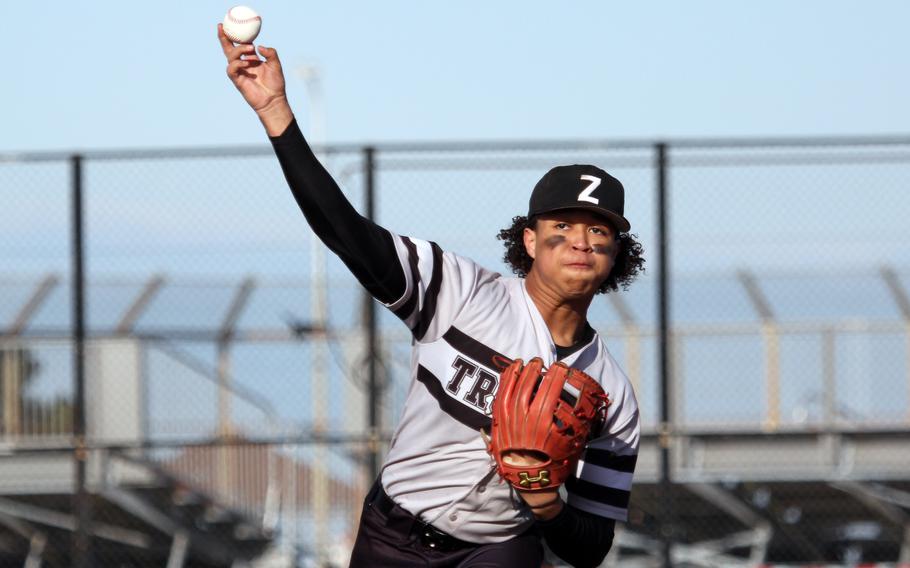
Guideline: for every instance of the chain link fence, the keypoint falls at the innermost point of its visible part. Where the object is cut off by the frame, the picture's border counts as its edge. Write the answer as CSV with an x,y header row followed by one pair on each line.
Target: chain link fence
x,y
227,392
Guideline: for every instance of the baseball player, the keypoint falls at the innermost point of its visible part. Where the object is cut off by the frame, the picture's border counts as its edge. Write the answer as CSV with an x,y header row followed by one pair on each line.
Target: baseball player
x,y
440,499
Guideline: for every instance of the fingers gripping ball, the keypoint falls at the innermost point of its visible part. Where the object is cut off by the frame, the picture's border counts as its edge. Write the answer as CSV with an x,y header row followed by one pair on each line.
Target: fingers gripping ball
x,y
241,24
548,414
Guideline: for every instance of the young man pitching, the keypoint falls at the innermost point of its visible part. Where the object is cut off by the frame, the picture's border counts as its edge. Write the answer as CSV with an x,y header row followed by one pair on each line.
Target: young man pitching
x,y
512,395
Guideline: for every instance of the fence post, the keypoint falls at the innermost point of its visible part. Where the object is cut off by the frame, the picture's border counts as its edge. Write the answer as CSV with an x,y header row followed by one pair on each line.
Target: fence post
x,y
663,301
82,557
373,386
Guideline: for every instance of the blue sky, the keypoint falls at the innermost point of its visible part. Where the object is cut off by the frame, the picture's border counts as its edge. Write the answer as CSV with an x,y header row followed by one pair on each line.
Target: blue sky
x,y
130,74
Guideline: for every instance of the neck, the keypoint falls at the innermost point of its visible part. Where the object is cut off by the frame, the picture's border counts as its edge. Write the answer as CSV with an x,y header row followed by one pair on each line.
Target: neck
x,y
565,317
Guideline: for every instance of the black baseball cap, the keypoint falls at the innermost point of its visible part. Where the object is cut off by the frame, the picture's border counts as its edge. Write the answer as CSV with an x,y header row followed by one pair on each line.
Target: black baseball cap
x,y
580,187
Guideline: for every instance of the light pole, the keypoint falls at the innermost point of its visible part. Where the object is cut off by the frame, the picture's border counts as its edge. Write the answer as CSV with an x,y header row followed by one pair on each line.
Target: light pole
x,y
319,481
312,79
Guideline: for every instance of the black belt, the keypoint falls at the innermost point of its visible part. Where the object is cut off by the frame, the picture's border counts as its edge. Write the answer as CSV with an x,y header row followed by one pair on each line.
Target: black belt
x,y
428,535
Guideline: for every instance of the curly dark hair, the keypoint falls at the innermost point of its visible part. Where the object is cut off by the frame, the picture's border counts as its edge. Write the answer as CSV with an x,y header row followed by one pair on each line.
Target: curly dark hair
x,y
629,262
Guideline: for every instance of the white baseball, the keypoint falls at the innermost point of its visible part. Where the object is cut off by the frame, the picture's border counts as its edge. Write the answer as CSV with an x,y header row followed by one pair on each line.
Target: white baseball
x,y
241,24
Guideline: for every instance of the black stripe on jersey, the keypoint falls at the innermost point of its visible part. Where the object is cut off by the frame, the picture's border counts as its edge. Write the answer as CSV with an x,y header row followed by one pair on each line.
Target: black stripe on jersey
x,y
477,351
429,299
471,418
598,493
609,460
407,308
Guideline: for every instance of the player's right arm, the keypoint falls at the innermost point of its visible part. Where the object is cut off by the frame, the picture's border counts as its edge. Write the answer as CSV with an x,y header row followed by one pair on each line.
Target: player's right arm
x,y
423,286
367,249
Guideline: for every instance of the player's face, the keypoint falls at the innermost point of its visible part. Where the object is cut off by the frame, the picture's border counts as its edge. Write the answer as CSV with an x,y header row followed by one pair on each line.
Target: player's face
x,y
573,251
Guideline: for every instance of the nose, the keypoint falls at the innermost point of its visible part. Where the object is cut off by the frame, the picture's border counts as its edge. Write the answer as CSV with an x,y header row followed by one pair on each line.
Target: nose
x,y
580,239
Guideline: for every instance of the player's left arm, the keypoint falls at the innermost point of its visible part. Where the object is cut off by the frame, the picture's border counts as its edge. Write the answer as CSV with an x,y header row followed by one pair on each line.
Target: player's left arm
x,y
578,537
581,539
598,494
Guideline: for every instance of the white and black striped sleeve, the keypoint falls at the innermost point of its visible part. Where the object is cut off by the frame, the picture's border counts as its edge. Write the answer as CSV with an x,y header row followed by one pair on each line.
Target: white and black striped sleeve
x,y
602,482
438,285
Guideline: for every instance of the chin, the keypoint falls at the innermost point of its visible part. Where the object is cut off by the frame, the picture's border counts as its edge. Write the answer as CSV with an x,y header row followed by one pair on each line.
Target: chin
x,y
580,290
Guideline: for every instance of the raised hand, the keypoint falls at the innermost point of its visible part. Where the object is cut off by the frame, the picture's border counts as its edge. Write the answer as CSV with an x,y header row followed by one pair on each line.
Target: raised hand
x,y
260,81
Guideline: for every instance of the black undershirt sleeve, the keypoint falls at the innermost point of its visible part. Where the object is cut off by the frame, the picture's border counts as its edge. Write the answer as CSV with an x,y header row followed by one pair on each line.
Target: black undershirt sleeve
x,y
366,248
580,538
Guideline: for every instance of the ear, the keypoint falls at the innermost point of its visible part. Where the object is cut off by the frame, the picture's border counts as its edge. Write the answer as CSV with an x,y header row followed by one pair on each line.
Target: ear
x,y
530,238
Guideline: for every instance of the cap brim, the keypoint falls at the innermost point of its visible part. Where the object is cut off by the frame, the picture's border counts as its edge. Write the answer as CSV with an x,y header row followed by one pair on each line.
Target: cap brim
x,y
618,221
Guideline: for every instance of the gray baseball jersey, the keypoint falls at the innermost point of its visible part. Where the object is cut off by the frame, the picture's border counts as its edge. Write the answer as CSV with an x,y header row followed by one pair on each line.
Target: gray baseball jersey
x,y
467,322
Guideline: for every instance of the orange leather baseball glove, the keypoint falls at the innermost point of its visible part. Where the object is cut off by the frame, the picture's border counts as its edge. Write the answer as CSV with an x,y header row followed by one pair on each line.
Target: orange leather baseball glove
x,y
547,415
